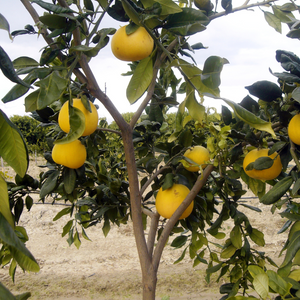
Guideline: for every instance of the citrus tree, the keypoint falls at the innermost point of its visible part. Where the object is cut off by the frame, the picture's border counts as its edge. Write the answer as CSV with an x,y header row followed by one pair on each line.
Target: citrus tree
x,y
182,181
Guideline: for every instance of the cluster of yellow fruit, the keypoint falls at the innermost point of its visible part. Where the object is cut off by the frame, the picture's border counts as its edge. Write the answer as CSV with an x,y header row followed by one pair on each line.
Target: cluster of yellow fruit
x,y
167,201
73,154
275,169
131,47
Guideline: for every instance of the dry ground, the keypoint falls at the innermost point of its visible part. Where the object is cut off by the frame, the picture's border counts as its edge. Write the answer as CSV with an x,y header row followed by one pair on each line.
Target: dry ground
x,y
108,268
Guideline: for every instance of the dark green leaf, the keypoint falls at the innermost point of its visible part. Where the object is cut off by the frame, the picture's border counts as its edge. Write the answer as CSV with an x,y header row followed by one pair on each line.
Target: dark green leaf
x,y
62,213
49,184
278,190
265,90
5,294
4,203
69,179
292,249
168,181
257,237
57,9
179,241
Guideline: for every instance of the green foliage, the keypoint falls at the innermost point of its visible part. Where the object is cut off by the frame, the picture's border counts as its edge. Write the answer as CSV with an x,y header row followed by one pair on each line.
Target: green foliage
x,y
110,188
34,133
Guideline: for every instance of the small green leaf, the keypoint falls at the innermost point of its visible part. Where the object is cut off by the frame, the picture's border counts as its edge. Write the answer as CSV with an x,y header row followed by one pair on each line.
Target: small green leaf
x,y
236,237
62,213
196,110
5,25
140,80
257,237
168,7
228,251
106,227
273,21
67,227
77,241
292,249
179,241
168,181
69,179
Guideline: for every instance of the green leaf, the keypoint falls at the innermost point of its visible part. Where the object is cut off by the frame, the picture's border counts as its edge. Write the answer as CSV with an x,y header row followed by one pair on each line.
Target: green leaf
x,y
62,213
49,185
24,62
257,237
106,227
18,250
168,7
277,191
278,284
249,118
273,21
255,270
211,71
12,146
8,69
69,179
57,9
140,80
261,285
23,296
228,251
5,294
196,110
168,181
187,22
179,241
181,257
292,249
236,237
77,126
77,241
4,203
51,89
5,25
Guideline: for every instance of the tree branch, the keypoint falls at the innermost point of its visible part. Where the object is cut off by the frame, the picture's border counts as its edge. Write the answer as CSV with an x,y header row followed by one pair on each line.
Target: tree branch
x,y
175,217
245,6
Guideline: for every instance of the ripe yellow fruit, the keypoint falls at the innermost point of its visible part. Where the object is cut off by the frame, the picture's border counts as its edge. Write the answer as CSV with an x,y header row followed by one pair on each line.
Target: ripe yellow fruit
x,y
266,174
294,129
71,155
91,118
167,201
132,47
199,155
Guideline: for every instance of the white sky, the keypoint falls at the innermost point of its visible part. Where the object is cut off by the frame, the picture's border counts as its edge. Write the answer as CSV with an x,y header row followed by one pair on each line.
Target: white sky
x,y
243,38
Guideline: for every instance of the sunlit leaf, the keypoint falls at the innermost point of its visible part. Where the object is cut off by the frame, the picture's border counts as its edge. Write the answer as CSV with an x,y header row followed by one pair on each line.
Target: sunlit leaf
x,y
278,284
261,285
249,117
51,89
4,203
18,250
5,25
140,80
196,110
12,146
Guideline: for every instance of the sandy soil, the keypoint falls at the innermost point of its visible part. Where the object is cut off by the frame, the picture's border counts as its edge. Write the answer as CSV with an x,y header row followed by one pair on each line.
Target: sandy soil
x,y
108,268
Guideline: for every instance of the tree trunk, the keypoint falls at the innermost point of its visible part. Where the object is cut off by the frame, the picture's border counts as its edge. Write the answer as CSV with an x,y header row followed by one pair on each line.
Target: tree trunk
x,y
149,280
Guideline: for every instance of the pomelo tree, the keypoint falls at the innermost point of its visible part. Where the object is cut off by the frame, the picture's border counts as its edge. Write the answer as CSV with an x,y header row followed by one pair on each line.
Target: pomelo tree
x,y
125,167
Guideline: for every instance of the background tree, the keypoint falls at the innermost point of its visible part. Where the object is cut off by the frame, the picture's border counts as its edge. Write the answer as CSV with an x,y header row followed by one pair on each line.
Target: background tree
x,y
109,190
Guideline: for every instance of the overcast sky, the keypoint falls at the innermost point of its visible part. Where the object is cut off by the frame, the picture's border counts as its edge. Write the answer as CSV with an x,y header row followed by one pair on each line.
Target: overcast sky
x,y
243,38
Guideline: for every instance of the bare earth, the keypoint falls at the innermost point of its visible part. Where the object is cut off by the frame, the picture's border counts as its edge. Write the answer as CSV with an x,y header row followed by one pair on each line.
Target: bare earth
x,y
108,268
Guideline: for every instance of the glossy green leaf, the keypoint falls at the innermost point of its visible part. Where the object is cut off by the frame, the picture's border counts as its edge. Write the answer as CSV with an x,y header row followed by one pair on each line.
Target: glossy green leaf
x,y
249,117
49,184
211,71
273,21
77,126
179,241
4,203
277,191
52,7
236,237
140,80
261,285
18,250
187,22
24,62
255,270
12,146
69,179
51,89
5,25
8,69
